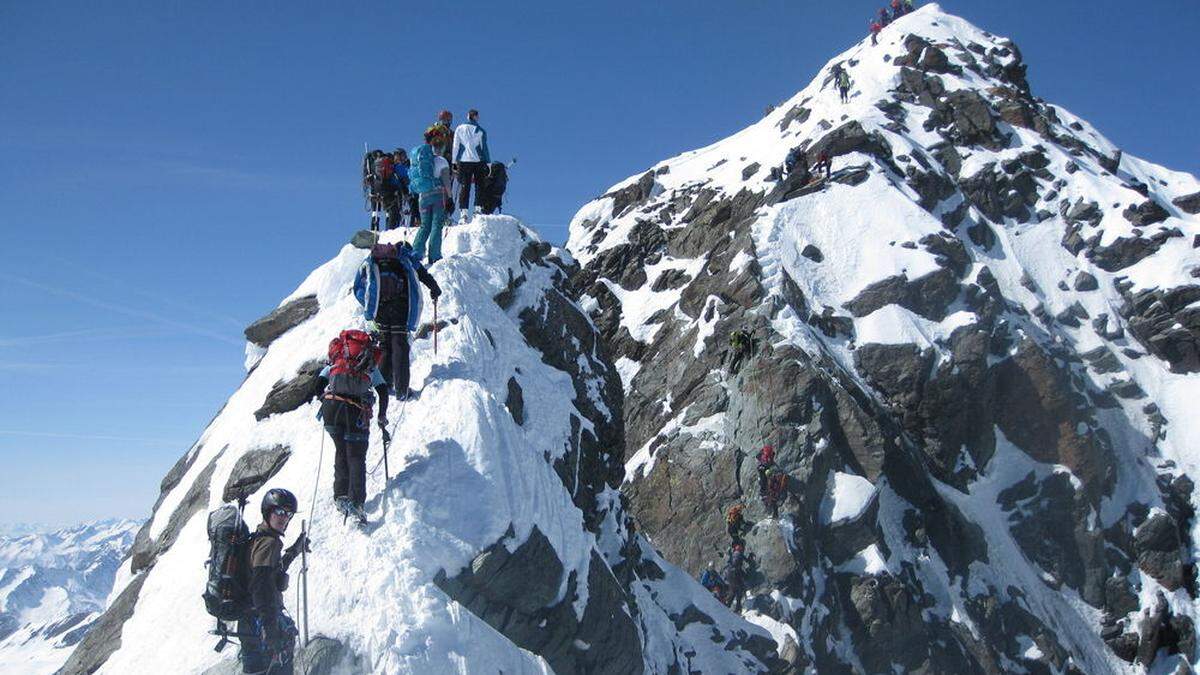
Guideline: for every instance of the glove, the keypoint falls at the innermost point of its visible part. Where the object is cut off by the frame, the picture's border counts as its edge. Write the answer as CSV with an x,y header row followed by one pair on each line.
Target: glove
x,y
387,438
449,204
302,543
435,293
372,327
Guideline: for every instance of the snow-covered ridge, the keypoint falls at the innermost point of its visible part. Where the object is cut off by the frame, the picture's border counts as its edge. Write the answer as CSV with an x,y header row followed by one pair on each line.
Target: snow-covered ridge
x,y
53,584
975,347
503,465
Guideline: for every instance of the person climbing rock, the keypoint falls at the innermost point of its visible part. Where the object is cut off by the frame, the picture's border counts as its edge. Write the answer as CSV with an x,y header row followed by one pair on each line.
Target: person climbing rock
x,y
796,165
471,159
735,524
843,84
767,469
712,581
429,179
386,287
777,482
876,26
349,386
824,164
735,577
266,633
741,344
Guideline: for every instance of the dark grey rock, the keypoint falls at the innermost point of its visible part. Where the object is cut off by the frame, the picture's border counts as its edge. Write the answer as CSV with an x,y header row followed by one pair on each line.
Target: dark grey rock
x,y
515,402
1159,550
1188,203
1126,251
1146,213
287,395
327,656
929,295
286,317
1166,324
750,170
1085,282
812,253
253,469
514,592
634,195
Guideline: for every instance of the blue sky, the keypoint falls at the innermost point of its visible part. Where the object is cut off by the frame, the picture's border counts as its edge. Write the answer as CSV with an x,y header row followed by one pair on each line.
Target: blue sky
x,y
169,171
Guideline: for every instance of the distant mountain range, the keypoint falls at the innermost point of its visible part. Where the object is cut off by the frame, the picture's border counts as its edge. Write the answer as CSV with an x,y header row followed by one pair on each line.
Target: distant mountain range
x,y
53,584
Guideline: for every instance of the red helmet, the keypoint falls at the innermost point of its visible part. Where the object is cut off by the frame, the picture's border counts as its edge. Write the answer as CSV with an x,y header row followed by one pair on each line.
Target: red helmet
x,y
767,454
739,548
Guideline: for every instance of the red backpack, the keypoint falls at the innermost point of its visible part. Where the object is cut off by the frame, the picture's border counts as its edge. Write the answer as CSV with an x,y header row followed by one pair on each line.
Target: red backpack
x,y
766,455
352,355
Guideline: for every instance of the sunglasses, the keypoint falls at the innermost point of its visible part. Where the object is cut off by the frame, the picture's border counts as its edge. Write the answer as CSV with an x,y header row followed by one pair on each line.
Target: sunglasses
x,y
283,513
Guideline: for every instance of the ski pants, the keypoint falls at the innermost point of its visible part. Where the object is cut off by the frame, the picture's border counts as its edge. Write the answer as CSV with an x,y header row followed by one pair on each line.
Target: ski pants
x,y
394,205
734,593
349,426
394,367
470,173
433,217
257,655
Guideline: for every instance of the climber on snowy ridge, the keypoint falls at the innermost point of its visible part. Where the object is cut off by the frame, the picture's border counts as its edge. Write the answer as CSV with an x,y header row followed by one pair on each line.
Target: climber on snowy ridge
x,y
471,159
386,287
348,387
429,178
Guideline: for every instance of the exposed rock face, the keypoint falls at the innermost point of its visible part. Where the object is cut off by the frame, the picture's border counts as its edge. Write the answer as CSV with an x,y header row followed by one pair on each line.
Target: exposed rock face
x,y
287,395
515,593
966,374
284,318
253,470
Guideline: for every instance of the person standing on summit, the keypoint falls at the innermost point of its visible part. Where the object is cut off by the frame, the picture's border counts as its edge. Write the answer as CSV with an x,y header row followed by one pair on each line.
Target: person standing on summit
x,y
445,120
429,179
471,159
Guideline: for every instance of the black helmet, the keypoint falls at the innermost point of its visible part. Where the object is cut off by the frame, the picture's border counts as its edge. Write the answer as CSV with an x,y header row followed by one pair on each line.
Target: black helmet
x,y
278,498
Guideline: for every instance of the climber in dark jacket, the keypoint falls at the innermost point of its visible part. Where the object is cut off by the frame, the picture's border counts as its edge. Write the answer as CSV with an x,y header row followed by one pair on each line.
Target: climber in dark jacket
x,y
735,577
267,635
386,286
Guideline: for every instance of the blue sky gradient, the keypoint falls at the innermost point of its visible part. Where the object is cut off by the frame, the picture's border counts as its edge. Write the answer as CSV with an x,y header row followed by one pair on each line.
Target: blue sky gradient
x,y
171,170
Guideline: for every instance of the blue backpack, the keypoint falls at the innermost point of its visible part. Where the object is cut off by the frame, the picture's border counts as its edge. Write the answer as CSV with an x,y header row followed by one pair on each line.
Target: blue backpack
x,y
420,172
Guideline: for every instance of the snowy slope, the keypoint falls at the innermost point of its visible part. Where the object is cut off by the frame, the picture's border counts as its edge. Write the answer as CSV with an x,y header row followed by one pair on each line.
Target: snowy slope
x,y
500,458
52,585
977,347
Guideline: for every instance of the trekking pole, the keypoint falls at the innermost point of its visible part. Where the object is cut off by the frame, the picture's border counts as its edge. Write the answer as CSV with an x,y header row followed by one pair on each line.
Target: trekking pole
x,y
435,327
312,510
304,578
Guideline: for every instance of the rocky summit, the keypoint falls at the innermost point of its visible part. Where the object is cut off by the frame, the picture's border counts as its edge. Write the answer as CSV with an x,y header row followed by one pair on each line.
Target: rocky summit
x,y
974,348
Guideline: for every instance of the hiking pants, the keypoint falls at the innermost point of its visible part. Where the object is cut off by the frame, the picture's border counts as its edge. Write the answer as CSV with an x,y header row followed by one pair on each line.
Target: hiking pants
x,y
394,366
256,656
737,588
433,217
394,206
349,426
470,173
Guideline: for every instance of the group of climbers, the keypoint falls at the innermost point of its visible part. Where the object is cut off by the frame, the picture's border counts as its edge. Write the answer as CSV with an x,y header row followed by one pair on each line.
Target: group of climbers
x,y
415,188
248,571
730,584
898,9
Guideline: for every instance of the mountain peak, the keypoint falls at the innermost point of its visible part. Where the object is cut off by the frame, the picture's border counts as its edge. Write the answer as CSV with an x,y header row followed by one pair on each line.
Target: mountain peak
x,y
986,312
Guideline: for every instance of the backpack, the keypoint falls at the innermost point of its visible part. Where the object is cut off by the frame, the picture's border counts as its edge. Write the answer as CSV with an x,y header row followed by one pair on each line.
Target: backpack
x,y
766,455
227,593
710,579
735,514
393,277
352,355
420,171
382,172
777,484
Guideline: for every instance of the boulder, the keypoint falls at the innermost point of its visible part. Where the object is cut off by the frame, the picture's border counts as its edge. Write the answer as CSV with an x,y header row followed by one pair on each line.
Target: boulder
x,y
1188,203
1159,550
287,395
1085,282
1146,213
253,469
286,317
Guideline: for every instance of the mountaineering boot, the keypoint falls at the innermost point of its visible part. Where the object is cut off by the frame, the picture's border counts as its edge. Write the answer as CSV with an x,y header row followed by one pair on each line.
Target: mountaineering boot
x,y
355,512
343,506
